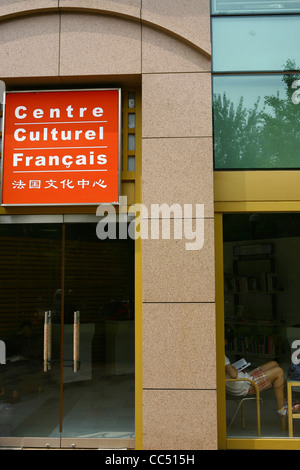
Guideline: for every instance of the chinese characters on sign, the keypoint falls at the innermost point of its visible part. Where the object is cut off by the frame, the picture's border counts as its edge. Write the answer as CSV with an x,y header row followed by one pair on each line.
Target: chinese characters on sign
x,y
61,147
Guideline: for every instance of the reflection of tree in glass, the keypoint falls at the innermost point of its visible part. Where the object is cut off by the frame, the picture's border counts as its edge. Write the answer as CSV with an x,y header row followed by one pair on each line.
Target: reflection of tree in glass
x,y
281,132
247,137
236,133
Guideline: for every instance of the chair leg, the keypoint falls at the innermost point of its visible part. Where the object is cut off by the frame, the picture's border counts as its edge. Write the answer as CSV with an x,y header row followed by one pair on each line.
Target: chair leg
x,y
243,416
258,401
233,418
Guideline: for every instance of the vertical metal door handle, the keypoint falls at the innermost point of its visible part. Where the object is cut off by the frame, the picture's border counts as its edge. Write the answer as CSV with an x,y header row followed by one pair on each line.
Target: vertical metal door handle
x,y
47,341
76,339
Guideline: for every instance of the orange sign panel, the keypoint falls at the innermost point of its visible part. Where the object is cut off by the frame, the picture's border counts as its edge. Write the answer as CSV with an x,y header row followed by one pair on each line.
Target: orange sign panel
x,y
61,147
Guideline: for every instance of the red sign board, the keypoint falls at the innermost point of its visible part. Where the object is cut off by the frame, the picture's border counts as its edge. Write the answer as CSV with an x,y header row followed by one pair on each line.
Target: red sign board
x,y
61,147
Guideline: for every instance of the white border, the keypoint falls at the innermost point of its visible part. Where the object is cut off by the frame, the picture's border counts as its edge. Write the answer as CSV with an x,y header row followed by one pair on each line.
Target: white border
x,y
119,147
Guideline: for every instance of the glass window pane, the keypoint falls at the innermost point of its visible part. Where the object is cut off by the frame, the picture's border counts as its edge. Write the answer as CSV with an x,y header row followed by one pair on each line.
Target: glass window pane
x,y
268,43
30,276
103,293
131,100
131,163
256,121
131,120
223,7
261,301
131,141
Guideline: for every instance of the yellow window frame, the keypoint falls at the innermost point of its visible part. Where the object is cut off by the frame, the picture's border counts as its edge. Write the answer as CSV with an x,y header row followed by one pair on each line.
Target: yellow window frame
x,y
241,192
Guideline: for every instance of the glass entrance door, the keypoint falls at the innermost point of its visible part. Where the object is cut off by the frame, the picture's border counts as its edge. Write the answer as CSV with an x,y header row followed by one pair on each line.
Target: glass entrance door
x,y
67,322
98,355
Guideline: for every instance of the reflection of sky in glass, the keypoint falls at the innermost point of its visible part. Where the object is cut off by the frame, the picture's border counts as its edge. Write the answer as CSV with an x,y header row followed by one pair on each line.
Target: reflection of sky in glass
x,y
255,43
250,88
254,6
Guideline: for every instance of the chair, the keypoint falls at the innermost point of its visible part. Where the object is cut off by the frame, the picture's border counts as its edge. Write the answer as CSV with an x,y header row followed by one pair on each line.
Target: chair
x,y
241,404
291,415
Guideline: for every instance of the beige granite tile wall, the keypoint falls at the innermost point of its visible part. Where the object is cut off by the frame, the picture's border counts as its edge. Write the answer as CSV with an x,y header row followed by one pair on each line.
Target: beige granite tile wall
x,y
126,8
29,46
179,419
190,21
163,52
167,45
179,359
183,159
177,105
184,348
171,273
11,8
97,44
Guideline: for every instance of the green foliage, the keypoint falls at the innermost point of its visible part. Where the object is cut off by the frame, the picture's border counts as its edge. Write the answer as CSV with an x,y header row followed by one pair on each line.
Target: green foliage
x,y
266,135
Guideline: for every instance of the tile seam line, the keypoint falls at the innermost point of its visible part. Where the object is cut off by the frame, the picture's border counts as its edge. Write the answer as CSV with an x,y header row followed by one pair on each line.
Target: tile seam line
x,y
59,41
187,72
139,17
179,302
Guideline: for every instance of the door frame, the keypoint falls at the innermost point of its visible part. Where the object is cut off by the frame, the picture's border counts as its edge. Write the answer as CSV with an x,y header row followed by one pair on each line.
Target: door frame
x,y
89,443
223,441
246,191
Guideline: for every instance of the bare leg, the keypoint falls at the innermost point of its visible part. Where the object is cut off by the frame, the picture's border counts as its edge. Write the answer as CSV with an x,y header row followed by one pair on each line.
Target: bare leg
x,y
269,365
276,376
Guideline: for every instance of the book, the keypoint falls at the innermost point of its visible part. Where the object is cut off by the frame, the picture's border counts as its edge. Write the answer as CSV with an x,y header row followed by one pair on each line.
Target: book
x,y
241,364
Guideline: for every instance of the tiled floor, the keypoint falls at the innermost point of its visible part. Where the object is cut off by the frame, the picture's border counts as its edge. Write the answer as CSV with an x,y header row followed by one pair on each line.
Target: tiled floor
x,y
103,407
270,421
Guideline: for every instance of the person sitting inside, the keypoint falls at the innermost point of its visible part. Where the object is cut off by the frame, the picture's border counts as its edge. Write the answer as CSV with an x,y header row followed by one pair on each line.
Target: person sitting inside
x,y
266,376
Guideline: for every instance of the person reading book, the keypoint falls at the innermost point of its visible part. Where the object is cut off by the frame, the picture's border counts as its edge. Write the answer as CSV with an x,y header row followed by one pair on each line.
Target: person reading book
x,y
266,376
